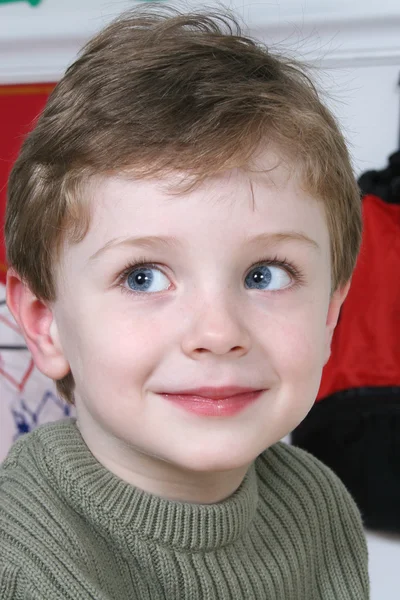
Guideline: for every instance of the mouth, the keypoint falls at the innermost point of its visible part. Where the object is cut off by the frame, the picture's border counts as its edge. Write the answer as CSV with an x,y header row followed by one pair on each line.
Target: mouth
x,y
216,393
214,402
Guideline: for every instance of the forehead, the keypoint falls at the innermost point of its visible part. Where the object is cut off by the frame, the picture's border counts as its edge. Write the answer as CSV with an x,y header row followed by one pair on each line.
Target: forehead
x,y
237,198
220,215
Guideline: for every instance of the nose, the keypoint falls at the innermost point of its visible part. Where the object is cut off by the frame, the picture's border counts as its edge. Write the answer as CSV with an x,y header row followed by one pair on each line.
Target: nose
x,y
217,328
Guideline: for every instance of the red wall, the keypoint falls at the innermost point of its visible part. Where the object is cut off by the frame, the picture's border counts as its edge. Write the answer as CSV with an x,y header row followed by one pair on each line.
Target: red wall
x,y
19,107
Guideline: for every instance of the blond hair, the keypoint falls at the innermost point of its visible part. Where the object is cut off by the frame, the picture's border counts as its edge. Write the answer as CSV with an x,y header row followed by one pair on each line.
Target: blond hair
x,y
158,91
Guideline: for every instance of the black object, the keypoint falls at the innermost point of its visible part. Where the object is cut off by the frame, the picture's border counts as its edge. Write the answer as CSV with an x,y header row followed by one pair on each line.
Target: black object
x,y
385,183
357,434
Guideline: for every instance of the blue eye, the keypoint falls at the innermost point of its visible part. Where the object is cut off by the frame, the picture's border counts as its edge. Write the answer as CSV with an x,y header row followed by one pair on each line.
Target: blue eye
x,y
147,279
269,278
267,275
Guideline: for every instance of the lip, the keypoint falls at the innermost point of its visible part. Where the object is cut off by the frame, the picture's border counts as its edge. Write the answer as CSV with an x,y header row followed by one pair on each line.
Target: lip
x,y
208,402
215,393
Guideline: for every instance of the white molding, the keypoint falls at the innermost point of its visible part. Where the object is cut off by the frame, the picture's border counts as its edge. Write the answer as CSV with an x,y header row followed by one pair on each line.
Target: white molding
x,y
36,47
351,41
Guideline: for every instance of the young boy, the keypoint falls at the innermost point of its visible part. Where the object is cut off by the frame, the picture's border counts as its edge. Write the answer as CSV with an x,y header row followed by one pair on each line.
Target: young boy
x,y
181,228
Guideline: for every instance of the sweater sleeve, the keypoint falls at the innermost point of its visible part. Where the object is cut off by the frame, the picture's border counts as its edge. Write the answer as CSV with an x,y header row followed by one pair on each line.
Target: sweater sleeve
x,y
13,584
343,559
332,533
8,581
349,545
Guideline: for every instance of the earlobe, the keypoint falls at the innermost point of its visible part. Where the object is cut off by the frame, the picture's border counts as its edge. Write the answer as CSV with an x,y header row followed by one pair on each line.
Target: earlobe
x,y
36,321
335,304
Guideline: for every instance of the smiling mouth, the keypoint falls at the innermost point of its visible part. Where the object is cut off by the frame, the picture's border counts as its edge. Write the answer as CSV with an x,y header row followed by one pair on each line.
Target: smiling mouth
x,y
202,405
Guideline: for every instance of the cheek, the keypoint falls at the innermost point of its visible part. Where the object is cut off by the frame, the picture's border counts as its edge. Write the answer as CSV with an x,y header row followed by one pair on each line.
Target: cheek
x,y
119,349
299,350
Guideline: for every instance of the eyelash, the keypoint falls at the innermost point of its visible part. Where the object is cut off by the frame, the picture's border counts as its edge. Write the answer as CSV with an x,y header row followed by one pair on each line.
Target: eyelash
x,y
294,272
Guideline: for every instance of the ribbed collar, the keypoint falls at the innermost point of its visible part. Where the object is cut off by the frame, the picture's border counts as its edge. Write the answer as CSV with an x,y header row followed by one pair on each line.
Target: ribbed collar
x,y
125,513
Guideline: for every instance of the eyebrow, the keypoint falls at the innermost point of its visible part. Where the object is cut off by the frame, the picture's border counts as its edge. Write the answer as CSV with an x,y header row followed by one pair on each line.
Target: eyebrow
x,y
280,238
150,241
153,241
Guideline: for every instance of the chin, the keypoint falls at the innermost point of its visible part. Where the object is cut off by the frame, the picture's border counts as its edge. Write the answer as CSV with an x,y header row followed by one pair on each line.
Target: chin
x,y
208,460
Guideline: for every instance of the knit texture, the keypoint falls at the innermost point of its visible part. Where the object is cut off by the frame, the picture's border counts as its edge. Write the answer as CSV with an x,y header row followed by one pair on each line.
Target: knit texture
x,y
70,529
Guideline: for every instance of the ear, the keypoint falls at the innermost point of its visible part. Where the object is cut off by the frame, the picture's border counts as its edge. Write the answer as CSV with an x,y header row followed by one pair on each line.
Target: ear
x,y
335,304
36,321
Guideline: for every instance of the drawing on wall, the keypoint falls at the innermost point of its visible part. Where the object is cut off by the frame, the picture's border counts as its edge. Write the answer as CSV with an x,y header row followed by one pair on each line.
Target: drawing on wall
x,y
31,2
27,417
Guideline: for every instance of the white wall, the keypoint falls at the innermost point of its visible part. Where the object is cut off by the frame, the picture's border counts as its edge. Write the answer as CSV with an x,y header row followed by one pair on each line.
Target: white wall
x,y
366,100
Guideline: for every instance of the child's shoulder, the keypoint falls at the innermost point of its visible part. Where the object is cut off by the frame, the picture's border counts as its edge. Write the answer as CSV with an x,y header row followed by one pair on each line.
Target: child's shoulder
x,y
29,447
47,547
35,520
303,482
304,505
26,481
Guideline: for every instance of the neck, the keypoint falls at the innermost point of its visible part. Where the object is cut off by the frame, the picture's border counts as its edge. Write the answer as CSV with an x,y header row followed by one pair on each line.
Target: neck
x,y
159,477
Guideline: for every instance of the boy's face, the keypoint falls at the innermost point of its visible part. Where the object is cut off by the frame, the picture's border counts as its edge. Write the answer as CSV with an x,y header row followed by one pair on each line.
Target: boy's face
x,y
216,306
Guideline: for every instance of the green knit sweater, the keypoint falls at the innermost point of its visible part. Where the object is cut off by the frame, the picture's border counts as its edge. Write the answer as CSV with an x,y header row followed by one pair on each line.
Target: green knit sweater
x,y
70,529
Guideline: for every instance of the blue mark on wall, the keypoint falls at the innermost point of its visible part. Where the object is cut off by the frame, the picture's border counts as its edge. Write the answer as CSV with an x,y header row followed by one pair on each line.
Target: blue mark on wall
x,y
26,419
